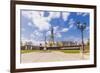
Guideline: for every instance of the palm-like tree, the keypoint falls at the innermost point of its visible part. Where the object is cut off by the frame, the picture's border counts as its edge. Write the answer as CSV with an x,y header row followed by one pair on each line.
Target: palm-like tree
x,y
82,27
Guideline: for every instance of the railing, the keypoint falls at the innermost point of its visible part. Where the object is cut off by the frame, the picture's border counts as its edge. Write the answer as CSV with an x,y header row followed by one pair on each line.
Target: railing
x,y
70,47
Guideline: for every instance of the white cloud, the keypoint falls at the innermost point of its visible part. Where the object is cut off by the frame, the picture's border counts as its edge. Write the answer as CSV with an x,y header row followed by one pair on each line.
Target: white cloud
x,y
42,13
56,29
32,35
58,34
52,15
23,29
42,23
23,39
27,14
71,23
30,24
65,15
39,21
79,13
85,14
55,14
64,30
82,14
36,34
87,28
36,37
48,33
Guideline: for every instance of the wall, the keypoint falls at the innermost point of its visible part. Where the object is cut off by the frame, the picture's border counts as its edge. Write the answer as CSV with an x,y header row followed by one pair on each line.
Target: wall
x,y
5,37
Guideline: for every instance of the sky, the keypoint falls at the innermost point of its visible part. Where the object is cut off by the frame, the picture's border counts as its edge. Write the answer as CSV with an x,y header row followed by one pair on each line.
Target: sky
x,y
36,24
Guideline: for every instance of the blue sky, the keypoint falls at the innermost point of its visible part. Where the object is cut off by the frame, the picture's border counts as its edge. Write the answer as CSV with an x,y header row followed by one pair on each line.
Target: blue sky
x,y
36,24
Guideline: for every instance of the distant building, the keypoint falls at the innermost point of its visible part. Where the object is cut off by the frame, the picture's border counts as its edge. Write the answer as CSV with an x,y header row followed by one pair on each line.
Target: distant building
x,y
30,45
69,43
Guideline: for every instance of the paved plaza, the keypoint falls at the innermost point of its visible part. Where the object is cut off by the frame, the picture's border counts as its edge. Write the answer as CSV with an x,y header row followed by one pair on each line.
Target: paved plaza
x,y
50,57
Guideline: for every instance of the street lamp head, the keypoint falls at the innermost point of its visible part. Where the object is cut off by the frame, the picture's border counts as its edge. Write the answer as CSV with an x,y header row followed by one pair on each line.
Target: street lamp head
x,y
84,26
78,24
81,26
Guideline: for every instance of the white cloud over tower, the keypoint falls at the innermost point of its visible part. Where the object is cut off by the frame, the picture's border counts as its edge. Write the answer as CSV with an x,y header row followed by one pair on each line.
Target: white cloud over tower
x,y
42,22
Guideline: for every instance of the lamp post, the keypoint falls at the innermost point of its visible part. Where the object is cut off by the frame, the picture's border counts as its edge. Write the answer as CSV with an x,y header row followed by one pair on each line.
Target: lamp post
x,y
52,35
82,27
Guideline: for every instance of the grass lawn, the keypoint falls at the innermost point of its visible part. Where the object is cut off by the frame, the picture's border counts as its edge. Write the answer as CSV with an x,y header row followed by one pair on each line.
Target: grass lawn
x,y
28,51
64,51
70,51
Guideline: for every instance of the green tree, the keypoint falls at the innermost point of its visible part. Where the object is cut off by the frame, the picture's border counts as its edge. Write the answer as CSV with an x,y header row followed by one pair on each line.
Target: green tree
x,y
59,44
88,46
